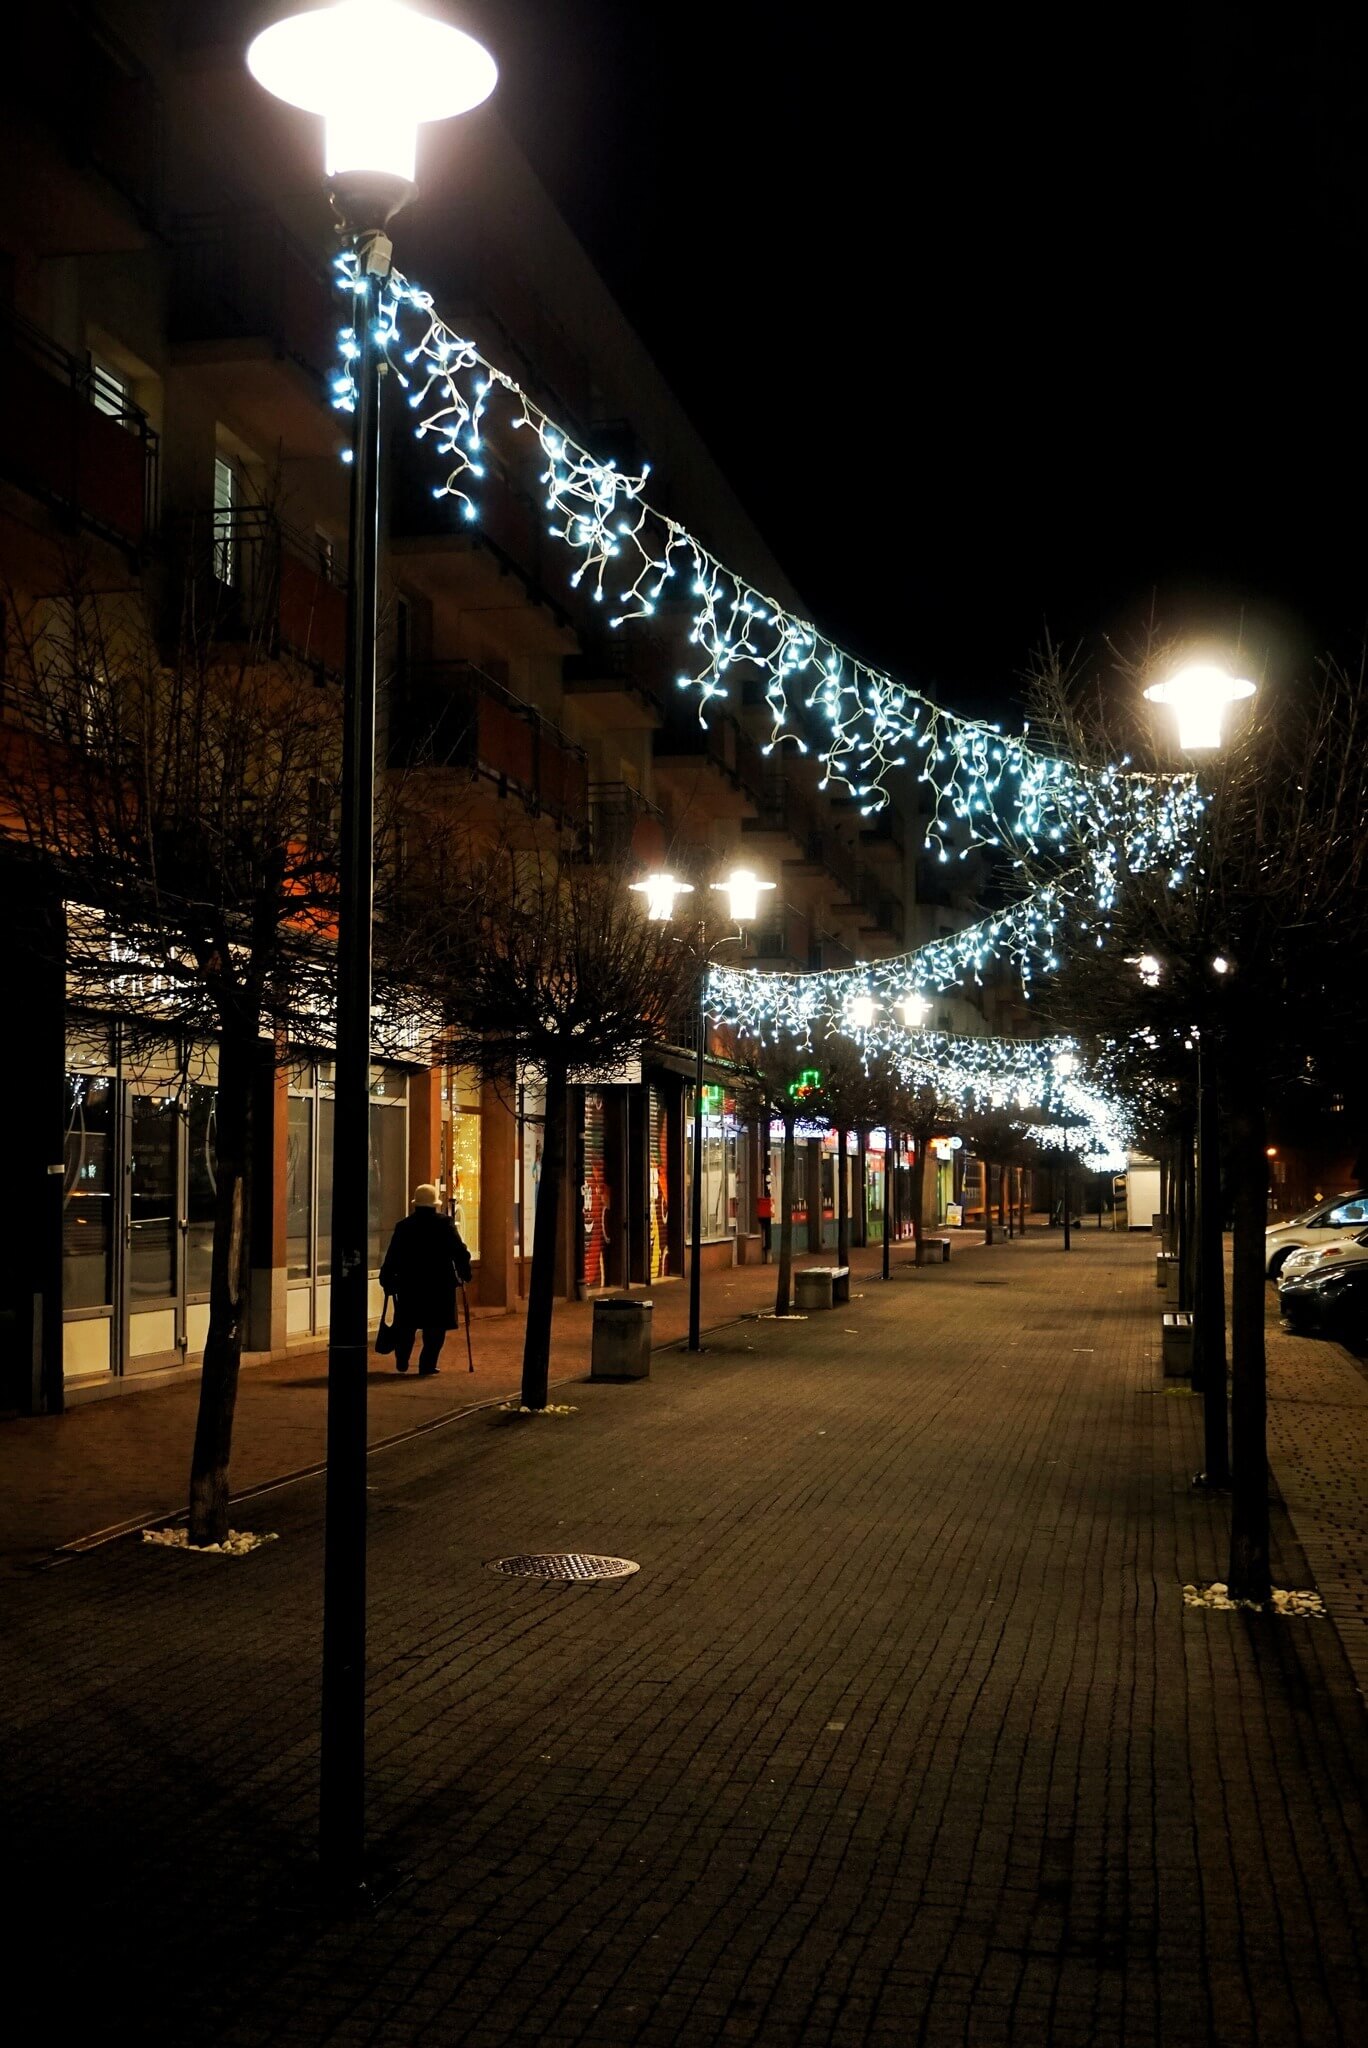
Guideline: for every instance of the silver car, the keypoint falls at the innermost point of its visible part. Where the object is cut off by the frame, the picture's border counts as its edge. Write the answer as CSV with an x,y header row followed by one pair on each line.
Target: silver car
x,y
1343,1216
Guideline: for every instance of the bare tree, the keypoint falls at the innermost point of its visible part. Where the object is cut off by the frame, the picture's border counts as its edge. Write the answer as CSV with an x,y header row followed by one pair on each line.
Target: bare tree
x,y
534,961
178,792
1243,953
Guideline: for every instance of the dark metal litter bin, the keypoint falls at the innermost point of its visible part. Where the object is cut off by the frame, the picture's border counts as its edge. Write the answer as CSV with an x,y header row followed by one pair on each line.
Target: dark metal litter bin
x,y
622,1338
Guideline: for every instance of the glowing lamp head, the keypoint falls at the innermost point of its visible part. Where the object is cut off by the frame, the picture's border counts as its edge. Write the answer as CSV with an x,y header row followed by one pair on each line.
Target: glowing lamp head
x,y
1199,694
915,1009
1222,964
1065,1064
660,891
1149,967
375,70
743,889
862,1012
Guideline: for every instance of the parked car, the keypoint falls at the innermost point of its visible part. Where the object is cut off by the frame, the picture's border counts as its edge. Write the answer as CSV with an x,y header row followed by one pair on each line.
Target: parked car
x,y
1330,1303
1345,1215
1313,1257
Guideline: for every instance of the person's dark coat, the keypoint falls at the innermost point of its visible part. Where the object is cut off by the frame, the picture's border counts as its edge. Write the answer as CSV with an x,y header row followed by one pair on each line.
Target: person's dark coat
x,y
426,1258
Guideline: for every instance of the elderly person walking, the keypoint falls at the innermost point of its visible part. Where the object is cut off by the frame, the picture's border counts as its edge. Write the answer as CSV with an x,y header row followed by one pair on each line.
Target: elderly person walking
x,y
426,1258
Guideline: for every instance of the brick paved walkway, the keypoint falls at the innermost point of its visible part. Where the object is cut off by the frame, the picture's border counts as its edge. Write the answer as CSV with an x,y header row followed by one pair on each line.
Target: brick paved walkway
x,y
126,1458
902,1733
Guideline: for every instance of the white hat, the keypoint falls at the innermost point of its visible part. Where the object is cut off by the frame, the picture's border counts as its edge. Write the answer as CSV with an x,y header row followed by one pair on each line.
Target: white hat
x,y
425,1197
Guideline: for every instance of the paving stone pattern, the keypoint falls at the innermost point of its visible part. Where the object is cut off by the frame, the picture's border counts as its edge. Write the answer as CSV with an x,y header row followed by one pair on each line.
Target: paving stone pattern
x,y
901,1734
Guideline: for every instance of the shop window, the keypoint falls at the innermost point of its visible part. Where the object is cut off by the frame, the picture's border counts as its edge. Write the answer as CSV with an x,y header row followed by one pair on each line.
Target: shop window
x,y
201,1189
298,1187
88,1192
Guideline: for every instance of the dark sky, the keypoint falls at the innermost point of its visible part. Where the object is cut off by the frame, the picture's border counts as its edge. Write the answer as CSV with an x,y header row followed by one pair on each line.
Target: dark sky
x,y
998,320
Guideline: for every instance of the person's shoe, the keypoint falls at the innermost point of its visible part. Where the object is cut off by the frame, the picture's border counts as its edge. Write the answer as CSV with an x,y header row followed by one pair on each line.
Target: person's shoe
x,y
401,1368
427,1372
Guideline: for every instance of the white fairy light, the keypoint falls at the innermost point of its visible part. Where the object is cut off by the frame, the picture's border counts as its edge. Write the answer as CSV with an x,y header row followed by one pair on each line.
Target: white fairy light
x,y
987,787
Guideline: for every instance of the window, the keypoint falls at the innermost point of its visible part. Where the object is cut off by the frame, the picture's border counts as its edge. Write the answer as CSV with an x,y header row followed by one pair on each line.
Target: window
x,y
111,392
88,1193
225,507
1345,1213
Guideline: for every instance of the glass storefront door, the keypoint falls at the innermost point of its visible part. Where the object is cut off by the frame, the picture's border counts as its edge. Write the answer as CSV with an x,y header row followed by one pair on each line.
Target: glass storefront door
x,y
138,1212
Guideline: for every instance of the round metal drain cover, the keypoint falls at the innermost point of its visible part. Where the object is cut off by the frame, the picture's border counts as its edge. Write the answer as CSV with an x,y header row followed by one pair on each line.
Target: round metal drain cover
x,y
565,1566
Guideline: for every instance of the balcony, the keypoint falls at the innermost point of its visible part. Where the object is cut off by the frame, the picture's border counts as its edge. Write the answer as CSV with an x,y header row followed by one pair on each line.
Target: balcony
x,y
72,440
258,583
686,746
884,837
882,910
252,310
623,825
450,714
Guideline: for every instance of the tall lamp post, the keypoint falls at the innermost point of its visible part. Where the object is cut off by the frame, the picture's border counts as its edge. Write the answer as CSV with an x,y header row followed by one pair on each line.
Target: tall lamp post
x,y
743,889
1066,1064
375,70
1200,694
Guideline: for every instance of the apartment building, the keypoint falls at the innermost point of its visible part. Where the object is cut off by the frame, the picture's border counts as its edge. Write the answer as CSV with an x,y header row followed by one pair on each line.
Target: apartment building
x,y
169,330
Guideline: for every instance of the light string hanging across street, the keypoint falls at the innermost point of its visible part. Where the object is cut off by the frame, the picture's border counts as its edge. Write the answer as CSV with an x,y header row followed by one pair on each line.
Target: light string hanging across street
x,y
988,787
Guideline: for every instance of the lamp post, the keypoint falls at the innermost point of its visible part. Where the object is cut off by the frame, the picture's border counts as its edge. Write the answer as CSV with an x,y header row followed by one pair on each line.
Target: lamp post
x,y
1065,1065
375,70
1199,695
743,889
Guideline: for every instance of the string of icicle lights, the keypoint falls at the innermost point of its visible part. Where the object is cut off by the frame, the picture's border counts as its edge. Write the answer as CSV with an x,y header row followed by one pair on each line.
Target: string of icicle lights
x,y
988,787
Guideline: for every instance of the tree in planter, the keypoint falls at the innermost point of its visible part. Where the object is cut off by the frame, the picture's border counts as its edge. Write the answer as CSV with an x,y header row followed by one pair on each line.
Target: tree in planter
x,y
920,1104
855,1089
783,1081
534,960
1246,947
179,800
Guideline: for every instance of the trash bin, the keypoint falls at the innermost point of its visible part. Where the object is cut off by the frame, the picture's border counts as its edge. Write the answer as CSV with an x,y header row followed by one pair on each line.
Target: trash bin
x,y
622,1338
812,1288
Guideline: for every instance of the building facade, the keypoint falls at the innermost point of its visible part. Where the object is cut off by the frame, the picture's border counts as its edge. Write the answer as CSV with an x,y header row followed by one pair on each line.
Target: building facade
x,y
169,327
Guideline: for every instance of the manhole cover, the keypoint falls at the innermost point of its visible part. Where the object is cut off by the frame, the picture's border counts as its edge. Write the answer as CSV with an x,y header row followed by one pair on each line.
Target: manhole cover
x,y
564,1565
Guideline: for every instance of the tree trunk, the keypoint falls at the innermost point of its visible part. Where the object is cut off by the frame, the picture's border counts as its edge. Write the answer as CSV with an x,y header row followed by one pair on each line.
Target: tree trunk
x,y
1004,1200
783,1285
842,1198
1186,1214
919,1144
1249,1573
862,1206
987,1202
541,1284
1208,1327
229,1279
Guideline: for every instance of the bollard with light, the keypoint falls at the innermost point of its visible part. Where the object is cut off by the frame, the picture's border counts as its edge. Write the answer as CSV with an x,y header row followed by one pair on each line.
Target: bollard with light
x,y
376,70
743,889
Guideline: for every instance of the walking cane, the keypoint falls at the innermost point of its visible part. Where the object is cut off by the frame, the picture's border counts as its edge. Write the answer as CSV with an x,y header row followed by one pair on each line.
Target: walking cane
x,y
465,1304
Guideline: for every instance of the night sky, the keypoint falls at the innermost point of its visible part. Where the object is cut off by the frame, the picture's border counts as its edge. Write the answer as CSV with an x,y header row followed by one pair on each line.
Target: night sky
x,y
1001,323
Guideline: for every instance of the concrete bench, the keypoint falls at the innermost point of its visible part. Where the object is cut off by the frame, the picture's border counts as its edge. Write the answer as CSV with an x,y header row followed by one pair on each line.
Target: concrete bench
x,y
1177,1343
814,1287
934,1251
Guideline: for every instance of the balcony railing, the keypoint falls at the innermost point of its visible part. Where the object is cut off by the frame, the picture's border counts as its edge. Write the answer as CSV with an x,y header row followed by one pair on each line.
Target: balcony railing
x,y
72,439
256,581
623,824
450,714
719,740
240,276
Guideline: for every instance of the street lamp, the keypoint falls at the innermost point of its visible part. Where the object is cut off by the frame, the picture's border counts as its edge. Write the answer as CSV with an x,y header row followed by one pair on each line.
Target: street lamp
x,y
1199,693
916,1008
861,1012
375,70
743,889
1066,1064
